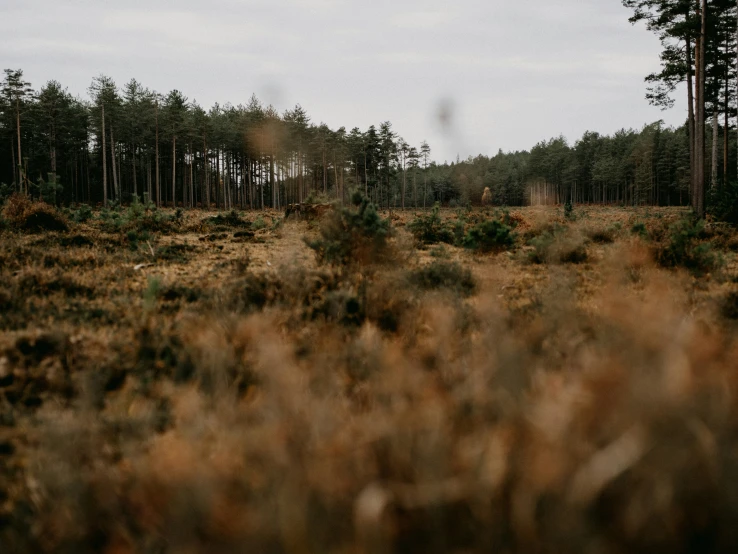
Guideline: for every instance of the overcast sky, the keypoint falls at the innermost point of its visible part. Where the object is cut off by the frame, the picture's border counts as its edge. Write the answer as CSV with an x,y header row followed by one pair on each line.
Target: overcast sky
x,y
506,74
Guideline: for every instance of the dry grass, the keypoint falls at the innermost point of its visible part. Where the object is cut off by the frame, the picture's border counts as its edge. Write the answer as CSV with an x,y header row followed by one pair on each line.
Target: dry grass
x,y
230,395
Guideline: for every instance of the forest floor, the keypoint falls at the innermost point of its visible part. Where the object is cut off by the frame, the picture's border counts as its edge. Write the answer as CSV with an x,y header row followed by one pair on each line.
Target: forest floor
x,y
209,386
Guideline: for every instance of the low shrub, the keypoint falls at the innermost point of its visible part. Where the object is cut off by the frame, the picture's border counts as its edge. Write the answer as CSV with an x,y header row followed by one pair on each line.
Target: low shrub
x,y
569,211
557,246
640,230
139,218
230,219
444,275
26,215
82,214
258,224
491,235
430,228
175,252
601,235
353,234
684,247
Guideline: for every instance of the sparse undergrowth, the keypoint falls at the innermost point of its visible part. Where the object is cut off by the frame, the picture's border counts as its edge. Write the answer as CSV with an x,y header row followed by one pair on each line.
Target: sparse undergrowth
x,y
236,396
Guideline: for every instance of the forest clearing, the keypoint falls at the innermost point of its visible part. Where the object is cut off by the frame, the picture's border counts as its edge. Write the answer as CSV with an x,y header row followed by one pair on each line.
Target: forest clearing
x,y
537,379
320,277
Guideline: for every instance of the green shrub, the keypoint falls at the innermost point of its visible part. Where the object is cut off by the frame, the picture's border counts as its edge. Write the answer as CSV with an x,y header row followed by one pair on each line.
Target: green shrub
x,y
541,246
491,235
639,229
430,229
569,210
138,218
82,214
444,275
352,234
258,224
135,237
684,248
230,219
50,189
440,252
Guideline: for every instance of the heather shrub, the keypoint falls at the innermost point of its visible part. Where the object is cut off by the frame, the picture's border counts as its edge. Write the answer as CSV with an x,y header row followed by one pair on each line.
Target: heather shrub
x,y
444,275
557,246
24,214
353,234
639,229
491,235
82,214
430,228
230,219
569,210
601,235
684,247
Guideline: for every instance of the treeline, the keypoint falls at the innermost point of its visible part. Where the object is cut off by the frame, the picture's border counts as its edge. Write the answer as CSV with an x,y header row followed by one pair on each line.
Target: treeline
x,y
650,166
126,142
131,142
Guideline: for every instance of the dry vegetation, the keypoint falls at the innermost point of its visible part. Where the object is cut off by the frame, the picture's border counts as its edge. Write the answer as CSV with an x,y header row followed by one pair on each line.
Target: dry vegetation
x,y
195,382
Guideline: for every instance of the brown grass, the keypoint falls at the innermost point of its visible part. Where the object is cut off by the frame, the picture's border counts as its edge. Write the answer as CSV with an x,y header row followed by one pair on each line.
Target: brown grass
x,y
231,396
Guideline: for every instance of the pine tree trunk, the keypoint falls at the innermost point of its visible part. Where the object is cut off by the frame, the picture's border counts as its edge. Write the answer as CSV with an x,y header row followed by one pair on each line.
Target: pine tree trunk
x,y
158,183
404,183
135,184
715,140
20,156
700,204
272,180
105,165
174,170
16,181
112,165
217,179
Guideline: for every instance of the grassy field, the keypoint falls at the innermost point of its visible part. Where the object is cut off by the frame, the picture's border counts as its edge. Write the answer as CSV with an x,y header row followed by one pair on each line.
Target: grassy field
x,y
203,382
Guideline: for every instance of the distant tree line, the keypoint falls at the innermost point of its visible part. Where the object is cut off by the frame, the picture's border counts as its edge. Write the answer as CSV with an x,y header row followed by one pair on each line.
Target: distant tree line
x,y
126,142
650,166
